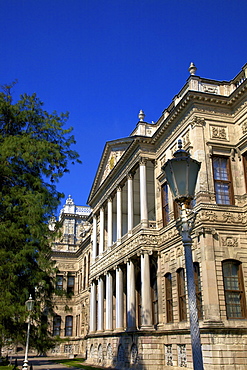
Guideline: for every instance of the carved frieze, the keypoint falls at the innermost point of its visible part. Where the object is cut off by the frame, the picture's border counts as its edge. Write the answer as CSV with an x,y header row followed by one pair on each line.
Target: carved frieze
x,y
219,132
67,266
229,241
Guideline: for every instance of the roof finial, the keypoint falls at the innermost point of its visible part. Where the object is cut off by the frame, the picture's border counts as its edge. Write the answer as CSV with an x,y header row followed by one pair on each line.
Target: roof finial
x,y
141,115
192,69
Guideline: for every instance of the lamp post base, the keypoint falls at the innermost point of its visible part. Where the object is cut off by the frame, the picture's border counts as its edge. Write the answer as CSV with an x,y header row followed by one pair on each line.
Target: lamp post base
x,y
25,365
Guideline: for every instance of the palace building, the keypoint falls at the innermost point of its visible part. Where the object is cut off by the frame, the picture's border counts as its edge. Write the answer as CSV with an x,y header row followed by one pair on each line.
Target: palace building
x,y
125,261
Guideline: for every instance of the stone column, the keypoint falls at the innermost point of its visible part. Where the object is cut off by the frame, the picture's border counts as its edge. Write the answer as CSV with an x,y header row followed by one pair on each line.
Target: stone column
x,y
119,299
93,308
143,193
102,231
131,296
119,213
100,326
109,300
130,202
109,223
146,312
94,236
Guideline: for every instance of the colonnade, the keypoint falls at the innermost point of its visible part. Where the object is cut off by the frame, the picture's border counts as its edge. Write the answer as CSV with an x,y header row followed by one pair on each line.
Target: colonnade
x,y
106,316
114,224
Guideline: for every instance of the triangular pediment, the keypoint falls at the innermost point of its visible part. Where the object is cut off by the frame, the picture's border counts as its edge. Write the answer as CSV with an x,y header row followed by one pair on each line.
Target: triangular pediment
x,y
113,152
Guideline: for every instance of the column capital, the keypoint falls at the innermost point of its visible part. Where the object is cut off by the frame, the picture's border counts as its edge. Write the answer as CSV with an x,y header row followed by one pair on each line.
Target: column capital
x,y
130,176
119,188
143,161
109,200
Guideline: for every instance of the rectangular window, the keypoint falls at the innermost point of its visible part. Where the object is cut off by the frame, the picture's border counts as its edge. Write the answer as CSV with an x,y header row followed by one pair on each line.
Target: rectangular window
x,y
197,278
169,300
222,180
59,282
245,168
70,284
165,205
181,295
234,290
68,326
56,325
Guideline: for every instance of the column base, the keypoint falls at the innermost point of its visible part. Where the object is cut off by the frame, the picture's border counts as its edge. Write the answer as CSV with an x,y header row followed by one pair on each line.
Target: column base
x,y
147,327
145,223
25,365
118,329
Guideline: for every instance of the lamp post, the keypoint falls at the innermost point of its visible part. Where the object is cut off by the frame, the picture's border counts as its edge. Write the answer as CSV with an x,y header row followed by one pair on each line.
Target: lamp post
x,y
181,174
29,306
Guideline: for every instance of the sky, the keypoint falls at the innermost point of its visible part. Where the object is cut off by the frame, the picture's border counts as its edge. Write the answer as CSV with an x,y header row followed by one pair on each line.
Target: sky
x,y
104,60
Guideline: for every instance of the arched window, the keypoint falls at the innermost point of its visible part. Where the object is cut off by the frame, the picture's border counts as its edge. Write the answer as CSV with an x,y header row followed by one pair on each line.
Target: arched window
x,y
197,278
68,326
56,325
181,294
169,300
234,289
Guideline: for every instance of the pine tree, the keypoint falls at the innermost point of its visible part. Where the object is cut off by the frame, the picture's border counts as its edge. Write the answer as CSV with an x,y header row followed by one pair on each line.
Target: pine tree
x,y
35,150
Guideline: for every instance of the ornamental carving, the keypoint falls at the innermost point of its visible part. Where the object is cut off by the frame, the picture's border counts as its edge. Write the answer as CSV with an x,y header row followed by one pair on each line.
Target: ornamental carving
x,y
167,257
208,216
244,127
229,242
67,266
228,217
179,252
198,121
186,139
218,132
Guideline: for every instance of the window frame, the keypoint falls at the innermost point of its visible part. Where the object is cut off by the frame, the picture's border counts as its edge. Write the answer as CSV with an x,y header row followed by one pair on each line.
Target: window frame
x,y
181,290
56,327
68,328
70,287
59,282
165,204
236,292
222,181
169,298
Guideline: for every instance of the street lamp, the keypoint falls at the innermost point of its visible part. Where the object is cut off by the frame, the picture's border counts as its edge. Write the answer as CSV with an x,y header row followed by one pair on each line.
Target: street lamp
x,y
29,306
181,174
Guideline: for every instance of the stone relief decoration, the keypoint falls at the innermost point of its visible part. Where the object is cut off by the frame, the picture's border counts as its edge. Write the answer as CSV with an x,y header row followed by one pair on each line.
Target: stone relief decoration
x,y
228,217
100,354
67,266
198,121
229,242
207,216
186,139
162,160
84,229
219,132
211,89
109,354
134,355
182,360
68,348
113,159
244,127
167,257
179,252
168,354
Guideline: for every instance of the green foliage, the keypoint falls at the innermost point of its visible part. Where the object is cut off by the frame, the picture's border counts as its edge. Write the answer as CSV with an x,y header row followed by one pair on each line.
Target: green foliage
x,y
34,154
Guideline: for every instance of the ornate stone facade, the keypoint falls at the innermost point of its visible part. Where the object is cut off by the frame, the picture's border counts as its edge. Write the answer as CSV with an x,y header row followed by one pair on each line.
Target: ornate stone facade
x,y
138,314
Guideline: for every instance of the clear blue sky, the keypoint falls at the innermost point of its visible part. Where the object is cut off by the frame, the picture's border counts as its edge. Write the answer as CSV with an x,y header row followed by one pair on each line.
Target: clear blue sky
x,y
104,60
